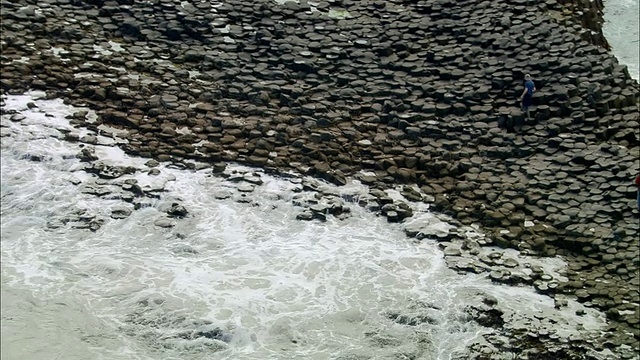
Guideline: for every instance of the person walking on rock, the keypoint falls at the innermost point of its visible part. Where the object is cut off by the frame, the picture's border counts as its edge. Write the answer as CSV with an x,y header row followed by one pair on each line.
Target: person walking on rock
x,y
527,95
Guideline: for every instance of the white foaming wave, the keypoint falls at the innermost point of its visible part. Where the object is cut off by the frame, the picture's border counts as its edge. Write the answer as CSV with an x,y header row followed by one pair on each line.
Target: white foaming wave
x,y
277,268
30,195
300,265
622,32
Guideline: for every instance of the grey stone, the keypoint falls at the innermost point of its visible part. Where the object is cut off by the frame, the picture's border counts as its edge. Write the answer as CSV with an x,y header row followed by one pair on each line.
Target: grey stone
x,y
164,223
120,212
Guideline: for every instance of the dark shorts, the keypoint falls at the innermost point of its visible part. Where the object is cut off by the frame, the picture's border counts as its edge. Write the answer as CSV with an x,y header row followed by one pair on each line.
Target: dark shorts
x,y
527,101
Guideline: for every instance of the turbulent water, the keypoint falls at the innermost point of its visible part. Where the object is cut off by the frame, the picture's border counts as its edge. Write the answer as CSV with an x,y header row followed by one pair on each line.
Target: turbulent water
x,y
238,278
621,28
280,288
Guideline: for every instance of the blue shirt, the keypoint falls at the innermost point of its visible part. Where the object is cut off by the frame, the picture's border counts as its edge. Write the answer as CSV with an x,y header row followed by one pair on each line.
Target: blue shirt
x,y
530,86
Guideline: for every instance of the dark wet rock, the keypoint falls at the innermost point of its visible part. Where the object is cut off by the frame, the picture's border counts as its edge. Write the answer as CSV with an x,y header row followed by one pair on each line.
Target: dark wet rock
x,y
253,179
318,212
489,300
452,251
177,211
133,187
141,204
396,212
80,115
35,157
411,194
56,223
68,136
246,188
84,220
96,224
105,171
164,223
218,167
87,154
185,250
305,215
154,321
242,198
221,195
17,117
94,189
486,316
412,319
428,231
89,139
208,333
120,212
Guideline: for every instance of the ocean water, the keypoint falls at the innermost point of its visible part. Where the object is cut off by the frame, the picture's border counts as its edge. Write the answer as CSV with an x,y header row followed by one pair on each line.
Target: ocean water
x,y
622,30
238,278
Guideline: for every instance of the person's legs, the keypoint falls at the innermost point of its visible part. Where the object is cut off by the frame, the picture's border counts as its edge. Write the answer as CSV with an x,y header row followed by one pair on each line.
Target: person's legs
x,y
526,103
525,110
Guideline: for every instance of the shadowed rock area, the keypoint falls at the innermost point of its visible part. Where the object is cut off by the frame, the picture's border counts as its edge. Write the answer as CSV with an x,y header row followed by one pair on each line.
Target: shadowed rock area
x,y
389,92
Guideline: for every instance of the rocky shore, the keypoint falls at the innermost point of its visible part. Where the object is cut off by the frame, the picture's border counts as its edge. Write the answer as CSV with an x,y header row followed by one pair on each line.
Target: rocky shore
x,y
421,93
558,326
